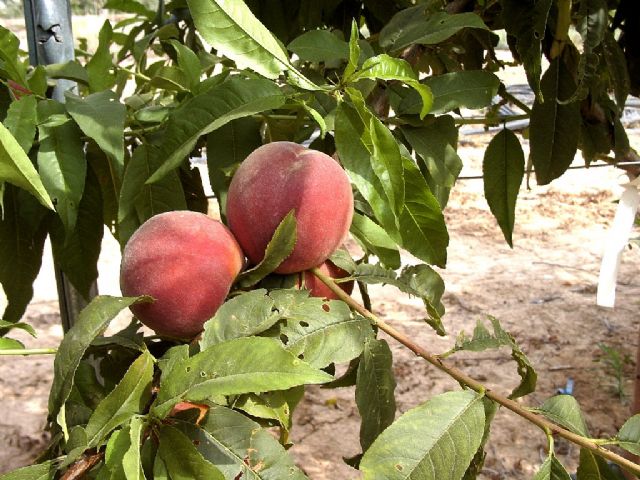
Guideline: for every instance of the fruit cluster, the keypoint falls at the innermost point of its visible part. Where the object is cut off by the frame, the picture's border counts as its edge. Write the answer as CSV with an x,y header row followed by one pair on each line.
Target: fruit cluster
x,y
188,261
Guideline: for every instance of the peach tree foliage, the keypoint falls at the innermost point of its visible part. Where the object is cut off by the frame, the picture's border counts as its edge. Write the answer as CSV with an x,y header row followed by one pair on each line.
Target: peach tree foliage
x,y
378,83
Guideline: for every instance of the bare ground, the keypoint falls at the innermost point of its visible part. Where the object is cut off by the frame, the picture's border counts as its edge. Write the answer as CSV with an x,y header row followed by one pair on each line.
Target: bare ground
x,y
543,292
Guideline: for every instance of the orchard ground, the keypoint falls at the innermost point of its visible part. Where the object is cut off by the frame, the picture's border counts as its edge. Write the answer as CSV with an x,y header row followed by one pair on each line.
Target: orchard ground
x,y
542,291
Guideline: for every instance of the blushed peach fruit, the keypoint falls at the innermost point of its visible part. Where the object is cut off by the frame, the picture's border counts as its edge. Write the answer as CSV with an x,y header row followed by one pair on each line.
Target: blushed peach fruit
x,y
187,262
318,289
283,176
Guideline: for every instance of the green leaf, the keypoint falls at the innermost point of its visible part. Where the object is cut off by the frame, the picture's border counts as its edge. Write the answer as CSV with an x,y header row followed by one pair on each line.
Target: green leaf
x,y
375,387
139,201
354,52
629,435
117,446
21,121
450,428
435,29
130,6
90,323
471,89
210,110
278,249
616,68
17,169
23,230
435,144
100,65
188,62
527,22
387,68
278,405
6,326
101,117
9,46
245,315
564,410
229,145
594,467
10,344
77,253
502,171
387,164
240,448
417,280
319,46
375,240
71,70
182,459
41,471
552,469
242,365
130,397
318,331
554,125
61,161
482,340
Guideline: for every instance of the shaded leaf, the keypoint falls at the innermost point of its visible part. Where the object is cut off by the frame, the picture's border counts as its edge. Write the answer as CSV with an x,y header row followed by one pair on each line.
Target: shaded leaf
x,y
6,326
278,405
552,469
182,459
100,65
593,467
41,471
11,65
319,46
616,68
188,62
71,70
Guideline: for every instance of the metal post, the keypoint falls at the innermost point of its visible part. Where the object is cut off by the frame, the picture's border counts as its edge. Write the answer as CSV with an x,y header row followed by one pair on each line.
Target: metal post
x,y
50,40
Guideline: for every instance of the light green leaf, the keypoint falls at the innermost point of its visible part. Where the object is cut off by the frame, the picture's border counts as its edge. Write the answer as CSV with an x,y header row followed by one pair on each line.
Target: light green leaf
x,y
240,448
242,365
117,446
131,460
10,344
354,52
41,471
245,315
21,121
552,469
375,387
321,332
101,117
278,249
278,405
9,46
450,428
182,459
502,171
6,326
99,67
71,70
629,435
564,410
129,397
319,46
130,6
17,169
90,323
376,240
210,110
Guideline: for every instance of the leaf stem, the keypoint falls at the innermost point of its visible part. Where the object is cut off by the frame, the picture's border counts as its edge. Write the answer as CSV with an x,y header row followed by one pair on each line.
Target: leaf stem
x,y
475,385
32,351
563,23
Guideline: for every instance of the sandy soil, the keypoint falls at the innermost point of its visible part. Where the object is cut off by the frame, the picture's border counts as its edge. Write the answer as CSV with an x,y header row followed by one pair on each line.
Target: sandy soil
x,y
543,292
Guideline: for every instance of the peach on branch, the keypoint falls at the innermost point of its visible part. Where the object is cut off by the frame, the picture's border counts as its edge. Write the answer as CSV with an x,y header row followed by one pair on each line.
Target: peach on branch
x,y
187,262
283,176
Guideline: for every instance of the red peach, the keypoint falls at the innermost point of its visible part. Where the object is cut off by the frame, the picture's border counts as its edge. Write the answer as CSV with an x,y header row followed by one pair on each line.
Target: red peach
x,y
318,289
187,262
283,176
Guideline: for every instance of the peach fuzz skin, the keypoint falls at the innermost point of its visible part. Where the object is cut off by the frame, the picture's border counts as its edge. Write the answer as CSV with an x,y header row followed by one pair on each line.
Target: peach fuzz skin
x,y
187,262
283,176
318,289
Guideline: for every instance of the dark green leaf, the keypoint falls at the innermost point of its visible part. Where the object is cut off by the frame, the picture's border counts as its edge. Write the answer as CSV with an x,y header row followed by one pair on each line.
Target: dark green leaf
x,y
100,65
21,121
23,230
616,68
182,459
387,163
245,315
17,169
450,428
552,469
472,89
527,22
240,448
6,326
129,397
210,110
242,365
554,126
321,332
61,161
629,435
278,405
278,249
117,446
101,117
226,148
71,70
436,28
375,390
594,467
42,471
319,46
90,323
564,410
188,62
375,240
502,171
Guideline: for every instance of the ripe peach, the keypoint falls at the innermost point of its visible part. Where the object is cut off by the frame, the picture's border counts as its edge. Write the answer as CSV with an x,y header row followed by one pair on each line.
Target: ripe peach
x,y
283,176
318,289
187,262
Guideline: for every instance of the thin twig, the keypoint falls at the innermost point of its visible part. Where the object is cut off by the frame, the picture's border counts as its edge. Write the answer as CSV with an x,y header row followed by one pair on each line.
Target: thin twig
x,y
32,351
461,377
